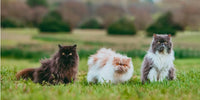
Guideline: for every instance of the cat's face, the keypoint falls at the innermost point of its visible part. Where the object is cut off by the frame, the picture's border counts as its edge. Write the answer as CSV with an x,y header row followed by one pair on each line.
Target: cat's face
x,y
67,51
121,65
162,43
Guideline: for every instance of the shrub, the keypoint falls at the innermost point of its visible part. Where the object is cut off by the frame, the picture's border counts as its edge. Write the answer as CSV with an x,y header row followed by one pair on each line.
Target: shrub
x,y
122,27
20,53
186,53
91,24
34,3
10,23
164,25
23,54
53,22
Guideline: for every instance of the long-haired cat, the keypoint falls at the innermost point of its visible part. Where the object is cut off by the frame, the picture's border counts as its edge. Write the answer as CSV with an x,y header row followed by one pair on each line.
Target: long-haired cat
x,y
61,68
158,62
109,66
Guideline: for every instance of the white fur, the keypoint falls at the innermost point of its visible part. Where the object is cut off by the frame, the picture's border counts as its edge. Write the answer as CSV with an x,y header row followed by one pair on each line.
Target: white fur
x,y
162,63
107,73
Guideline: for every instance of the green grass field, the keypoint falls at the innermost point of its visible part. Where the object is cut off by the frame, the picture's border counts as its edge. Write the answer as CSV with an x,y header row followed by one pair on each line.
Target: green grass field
x,y
185,87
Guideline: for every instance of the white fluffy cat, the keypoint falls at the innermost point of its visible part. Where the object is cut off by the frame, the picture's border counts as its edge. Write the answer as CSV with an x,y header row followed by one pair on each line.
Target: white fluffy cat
x,y
109,66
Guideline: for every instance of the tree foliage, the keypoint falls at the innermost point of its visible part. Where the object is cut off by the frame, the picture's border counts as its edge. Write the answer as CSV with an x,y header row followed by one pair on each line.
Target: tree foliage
x,y
164,25
34,3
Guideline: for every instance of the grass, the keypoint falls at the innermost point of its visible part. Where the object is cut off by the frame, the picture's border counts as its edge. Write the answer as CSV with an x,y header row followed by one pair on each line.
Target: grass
x,y
23,48
92,39
26,52
54,39
185,87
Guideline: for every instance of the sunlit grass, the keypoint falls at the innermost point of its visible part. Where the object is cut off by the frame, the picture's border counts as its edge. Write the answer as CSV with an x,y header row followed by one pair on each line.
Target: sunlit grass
x,y
23,48
25,31
185,87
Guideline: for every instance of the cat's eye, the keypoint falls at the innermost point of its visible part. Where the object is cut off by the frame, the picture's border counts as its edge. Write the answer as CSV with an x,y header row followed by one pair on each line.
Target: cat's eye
x,y
63,53
158,42
70,54
117,63
165,42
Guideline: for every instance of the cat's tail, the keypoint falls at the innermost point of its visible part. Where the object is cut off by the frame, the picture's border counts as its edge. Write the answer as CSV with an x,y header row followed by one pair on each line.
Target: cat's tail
x,y
26,74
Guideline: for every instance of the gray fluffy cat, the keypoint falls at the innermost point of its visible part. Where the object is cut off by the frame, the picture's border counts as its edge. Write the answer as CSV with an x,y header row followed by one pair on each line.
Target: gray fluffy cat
x,y
158,62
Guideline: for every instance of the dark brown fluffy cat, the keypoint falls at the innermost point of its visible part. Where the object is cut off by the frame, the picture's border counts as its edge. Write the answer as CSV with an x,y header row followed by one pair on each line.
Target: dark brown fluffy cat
x,y
61,68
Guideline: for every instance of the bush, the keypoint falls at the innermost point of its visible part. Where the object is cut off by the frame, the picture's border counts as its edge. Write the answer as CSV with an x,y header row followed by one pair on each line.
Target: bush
x,y
122,27
24,54
91,24
53,22
164,25
34,3
20,53
186,53
10,23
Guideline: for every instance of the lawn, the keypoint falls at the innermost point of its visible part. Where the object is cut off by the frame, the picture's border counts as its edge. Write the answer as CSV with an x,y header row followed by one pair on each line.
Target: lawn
x,y
185,87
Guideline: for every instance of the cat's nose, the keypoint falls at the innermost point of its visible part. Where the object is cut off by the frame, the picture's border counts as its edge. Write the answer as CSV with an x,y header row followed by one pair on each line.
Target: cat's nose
x,y
162,48
120,68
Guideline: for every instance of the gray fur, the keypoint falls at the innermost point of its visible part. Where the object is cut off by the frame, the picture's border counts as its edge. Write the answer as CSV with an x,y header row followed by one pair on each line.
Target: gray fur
x,y
172,74
158,46
155,46
146,67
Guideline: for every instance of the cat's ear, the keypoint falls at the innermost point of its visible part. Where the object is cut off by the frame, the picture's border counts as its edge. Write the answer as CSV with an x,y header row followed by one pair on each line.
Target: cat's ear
x,y
116,59
129,60
59,46
154,35
169,35
74,46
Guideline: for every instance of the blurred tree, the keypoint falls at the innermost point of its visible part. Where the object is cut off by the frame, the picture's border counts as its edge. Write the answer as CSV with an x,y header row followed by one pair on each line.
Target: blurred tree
x,y
109,13
185,12
123,26
73,12
16,12
8,23
92,23
38,13
164,25
53,22
34,3
150,1
142,14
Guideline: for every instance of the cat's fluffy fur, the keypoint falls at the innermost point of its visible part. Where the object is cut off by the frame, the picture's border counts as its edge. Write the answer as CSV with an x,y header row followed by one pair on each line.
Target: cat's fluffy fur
x,y
61,68
109,66
158,62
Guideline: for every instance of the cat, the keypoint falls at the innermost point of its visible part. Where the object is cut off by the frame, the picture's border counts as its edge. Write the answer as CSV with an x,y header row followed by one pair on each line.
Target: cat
x,y
109,66
158,62
61,68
